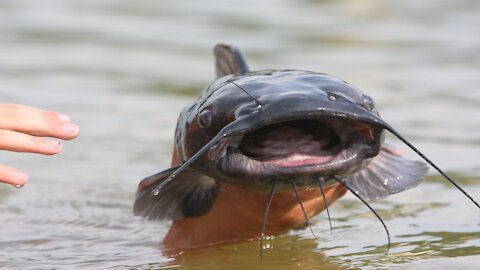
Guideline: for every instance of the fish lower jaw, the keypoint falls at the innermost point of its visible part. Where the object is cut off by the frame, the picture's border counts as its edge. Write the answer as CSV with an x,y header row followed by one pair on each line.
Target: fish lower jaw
x,y
304,168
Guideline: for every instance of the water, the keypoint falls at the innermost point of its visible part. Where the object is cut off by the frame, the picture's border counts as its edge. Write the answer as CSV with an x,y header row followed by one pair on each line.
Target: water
x,y
124,69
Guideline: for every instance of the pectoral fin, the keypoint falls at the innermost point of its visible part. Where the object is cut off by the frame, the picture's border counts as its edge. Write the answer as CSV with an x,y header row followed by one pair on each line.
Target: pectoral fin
x,y
189,194
387,174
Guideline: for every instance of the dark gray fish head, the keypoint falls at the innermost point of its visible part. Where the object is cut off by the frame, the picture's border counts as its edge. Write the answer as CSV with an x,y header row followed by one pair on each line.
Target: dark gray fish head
x,y
281,125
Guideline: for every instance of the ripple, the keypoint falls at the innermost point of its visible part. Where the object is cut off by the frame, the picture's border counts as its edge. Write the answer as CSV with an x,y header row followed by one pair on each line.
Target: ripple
x,y
123,70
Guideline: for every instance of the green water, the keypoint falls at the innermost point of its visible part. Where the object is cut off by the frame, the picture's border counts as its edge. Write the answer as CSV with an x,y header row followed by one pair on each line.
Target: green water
x,y
124,69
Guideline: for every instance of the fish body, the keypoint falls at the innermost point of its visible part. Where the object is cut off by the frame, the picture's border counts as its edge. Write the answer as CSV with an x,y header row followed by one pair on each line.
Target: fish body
x,y
274,128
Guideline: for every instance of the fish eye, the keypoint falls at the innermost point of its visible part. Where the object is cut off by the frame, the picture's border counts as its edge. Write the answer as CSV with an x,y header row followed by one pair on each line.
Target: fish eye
x,y
205,118
368,103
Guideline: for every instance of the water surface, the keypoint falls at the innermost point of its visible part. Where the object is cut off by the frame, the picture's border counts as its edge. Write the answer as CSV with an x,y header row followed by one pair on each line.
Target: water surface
x,y
124,69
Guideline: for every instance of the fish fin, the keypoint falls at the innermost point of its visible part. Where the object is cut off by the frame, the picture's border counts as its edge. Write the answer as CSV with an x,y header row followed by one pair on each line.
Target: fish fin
x,y
190,194
387,174
229,61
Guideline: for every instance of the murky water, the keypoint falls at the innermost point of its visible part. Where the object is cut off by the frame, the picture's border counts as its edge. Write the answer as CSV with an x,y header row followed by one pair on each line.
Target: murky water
x,y
124,69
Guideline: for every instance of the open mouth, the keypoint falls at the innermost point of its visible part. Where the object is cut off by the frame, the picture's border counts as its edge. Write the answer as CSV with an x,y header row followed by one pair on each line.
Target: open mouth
x,y
299,149
292,144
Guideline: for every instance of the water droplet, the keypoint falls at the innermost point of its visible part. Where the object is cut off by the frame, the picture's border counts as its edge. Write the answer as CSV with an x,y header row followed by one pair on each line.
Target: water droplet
x,y
155,192
385,181
332,98
18,186
259,106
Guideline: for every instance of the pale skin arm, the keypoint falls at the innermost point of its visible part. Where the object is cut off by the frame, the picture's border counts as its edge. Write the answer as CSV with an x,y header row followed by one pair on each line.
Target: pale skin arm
x,y
28,129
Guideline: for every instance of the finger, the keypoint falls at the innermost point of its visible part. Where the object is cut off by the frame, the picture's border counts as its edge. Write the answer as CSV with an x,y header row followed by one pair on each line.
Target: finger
x,y
36,122
20,142
12,176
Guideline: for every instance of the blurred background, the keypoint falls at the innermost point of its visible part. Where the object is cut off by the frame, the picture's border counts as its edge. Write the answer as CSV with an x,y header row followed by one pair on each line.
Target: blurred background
x,y
123,70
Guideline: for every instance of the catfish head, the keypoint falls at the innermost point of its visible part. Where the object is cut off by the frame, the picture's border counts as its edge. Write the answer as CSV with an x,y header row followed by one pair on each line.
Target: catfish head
x,y
274,128
281,126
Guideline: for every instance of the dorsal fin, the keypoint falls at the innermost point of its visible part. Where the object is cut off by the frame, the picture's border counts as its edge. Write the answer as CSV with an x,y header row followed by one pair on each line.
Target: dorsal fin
x,y
229,61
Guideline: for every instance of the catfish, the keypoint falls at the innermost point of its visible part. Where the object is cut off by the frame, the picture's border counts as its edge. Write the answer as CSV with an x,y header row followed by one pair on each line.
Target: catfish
x,y
272,135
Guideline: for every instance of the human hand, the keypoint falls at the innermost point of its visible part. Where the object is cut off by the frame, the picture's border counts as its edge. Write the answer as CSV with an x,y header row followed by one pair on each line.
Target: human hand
x,y
26,129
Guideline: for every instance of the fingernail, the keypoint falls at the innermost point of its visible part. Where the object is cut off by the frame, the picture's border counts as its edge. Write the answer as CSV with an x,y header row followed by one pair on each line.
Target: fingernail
x,y
64,118
71,129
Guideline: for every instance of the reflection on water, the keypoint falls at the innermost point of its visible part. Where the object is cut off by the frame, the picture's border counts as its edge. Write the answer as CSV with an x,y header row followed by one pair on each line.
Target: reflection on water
x,y
299,253
124,69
